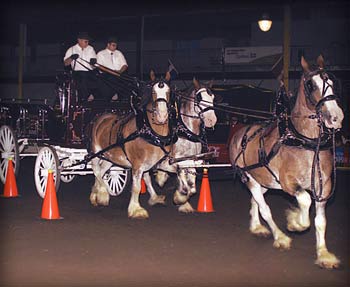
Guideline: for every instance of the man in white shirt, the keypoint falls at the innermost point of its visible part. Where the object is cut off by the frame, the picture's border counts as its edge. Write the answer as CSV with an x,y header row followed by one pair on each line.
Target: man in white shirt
x,y
78,57
114,60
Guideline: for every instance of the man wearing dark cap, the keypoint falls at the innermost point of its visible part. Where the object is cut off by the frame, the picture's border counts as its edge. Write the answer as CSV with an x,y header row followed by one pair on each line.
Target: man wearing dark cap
x,y
78,57
114,60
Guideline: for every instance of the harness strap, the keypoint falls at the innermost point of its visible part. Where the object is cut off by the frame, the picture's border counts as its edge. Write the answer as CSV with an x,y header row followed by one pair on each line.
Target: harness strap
x,y
264,159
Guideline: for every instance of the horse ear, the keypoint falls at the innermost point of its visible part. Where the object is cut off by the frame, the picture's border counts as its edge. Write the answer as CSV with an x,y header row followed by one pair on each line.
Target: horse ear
x,y
305,64
320,61
152,75
167,76
195,83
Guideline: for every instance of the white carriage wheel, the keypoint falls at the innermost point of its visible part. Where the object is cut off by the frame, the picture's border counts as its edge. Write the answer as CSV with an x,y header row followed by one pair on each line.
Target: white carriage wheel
x,y
8,149
66,178
117,179
46,159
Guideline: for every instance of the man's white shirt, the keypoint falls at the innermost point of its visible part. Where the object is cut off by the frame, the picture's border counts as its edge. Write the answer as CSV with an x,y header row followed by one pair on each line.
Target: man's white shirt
x,y
86,54
114,60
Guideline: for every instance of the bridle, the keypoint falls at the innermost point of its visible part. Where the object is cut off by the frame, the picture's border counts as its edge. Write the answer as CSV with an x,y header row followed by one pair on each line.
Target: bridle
x,y
199,99
309,89
161,83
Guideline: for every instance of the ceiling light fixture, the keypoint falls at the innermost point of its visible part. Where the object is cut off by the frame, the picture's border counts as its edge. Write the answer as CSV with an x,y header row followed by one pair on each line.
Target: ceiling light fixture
x,y
265,23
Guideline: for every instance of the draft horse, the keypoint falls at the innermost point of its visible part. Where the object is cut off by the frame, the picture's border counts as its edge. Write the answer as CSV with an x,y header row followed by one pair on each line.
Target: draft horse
x,y
195,114
295,156
138,141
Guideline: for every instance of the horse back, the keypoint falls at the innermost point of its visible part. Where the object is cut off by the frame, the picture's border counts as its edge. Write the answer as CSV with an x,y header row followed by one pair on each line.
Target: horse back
x,y
108,127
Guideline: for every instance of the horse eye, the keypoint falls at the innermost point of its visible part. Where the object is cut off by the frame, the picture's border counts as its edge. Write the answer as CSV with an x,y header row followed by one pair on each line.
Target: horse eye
x,y
309,85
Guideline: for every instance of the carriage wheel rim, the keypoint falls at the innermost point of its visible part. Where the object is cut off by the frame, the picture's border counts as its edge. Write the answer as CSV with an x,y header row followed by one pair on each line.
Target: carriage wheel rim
x,y
46,160
8,149
116,181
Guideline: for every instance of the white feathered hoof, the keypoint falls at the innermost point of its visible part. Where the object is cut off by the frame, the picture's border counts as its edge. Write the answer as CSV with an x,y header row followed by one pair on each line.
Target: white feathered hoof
x,y
103,198
159,199
138,213
180,198
327,260
294,223
93,198
99,195
283,242
186,208
260,231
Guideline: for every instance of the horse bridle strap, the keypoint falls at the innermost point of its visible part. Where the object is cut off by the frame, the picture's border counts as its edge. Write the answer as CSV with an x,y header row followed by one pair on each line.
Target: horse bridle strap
x,y
323,100
199,98
309,88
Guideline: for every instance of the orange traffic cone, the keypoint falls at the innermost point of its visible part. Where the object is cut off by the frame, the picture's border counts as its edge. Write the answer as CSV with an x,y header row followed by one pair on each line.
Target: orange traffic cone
x,y
143,186
50,206
10,188
205,203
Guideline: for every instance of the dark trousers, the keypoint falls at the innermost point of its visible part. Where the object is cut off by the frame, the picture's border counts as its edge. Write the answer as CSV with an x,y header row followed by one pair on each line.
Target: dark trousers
x,y
108,86
85,83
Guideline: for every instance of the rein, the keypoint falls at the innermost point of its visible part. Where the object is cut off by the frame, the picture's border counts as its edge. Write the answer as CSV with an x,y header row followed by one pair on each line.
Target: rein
x,y
291,137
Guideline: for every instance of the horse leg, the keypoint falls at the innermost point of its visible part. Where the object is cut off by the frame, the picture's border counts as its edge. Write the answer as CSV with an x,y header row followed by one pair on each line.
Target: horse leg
x,y
183,192
135,210
161,177
99,193
154,197
325,259
255,226
189,186
298,218
281,240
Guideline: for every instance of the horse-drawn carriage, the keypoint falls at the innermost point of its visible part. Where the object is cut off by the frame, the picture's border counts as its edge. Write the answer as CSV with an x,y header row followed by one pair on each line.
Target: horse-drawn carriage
x,y
56,133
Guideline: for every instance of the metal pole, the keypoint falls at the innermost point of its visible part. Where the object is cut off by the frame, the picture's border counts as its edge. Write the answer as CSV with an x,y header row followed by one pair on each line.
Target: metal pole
x,y
286,45
21,54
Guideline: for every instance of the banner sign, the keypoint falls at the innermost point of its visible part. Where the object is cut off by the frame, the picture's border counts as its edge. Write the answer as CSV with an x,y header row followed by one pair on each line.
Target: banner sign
x,y
246,55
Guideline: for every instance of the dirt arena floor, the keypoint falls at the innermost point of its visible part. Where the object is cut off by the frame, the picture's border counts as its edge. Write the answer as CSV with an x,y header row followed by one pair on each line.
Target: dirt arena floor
x,y
102,247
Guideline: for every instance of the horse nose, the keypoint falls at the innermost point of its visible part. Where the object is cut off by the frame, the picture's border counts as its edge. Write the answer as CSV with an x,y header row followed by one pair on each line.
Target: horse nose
x,y
335,119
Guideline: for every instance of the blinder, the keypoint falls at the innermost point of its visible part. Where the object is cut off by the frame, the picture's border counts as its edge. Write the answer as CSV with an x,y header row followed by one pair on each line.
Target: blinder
x,y
199,98
309,88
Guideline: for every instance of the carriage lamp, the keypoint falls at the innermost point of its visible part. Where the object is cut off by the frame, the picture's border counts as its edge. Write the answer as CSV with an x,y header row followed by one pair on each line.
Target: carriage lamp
x,y
265,23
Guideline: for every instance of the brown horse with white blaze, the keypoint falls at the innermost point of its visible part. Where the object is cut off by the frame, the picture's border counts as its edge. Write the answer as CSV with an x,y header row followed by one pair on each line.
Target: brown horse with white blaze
x,y
131,147
265,159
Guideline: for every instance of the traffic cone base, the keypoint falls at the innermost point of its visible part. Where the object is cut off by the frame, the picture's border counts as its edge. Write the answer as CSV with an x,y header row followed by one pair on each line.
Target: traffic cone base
x,y
205,203
143,186
10,187
50,207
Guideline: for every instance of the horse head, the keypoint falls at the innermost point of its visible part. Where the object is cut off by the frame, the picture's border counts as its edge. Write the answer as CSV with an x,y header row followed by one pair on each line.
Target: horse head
x,y
319,93
204,103
160,97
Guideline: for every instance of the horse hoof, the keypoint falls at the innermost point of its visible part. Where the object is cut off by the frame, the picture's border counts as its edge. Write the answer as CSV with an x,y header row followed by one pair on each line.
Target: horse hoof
x,y
260,231
159,199
186,208
283,242
139,213
293,219
93,199
328,260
